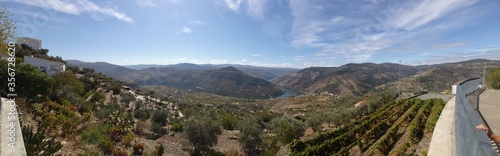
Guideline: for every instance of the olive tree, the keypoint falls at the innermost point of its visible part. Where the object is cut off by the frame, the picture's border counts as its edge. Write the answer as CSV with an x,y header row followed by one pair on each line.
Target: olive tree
x,y
202,130
250,134
287,128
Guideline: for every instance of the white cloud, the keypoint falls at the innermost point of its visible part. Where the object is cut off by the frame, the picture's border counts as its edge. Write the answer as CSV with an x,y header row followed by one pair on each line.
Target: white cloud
x,y
337,30
186,30
233,4
76,7
256,55
448,45
175,1
197,22
256,8
337,19
425,54
145,3
486,53
427,11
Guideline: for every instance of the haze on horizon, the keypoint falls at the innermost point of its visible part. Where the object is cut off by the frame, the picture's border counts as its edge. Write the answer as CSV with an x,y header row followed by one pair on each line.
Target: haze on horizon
x,y
281,33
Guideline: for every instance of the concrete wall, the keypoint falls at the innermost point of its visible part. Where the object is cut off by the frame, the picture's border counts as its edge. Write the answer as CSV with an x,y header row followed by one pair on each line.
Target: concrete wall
x,y
468,139
455,132
11,141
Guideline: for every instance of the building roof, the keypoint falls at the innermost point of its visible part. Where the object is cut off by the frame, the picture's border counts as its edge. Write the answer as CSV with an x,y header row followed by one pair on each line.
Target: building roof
x,y
44,60
29,38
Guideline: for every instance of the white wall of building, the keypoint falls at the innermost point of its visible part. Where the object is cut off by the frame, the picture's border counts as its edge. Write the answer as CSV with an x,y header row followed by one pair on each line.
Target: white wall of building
x,y
46,66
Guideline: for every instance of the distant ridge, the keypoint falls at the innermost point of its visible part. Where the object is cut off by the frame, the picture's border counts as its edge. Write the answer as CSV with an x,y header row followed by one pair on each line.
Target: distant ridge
x,y
359,79
227,80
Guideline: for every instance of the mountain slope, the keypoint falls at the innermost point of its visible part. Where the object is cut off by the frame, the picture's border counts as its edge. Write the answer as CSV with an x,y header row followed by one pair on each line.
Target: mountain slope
x,y
439,77
266,73
349,79
226,81
108,69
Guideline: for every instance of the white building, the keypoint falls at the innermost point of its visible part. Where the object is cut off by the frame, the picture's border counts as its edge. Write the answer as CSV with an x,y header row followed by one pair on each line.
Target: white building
x,y
33,43
46,66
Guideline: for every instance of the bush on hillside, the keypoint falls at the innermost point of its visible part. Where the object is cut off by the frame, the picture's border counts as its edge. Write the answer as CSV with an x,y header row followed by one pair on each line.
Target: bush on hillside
x,y
493,78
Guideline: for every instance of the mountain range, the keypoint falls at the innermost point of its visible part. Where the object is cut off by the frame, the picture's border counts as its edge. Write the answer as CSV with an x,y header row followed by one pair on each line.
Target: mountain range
x,y
359,79
243,80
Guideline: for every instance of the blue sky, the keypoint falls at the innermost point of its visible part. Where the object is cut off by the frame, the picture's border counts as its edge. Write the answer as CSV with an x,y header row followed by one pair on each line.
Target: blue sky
x,y
278,33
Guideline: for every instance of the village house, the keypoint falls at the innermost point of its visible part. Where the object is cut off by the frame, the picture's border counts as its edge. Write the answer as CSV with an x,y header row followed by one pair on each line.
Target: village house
x,y
46,66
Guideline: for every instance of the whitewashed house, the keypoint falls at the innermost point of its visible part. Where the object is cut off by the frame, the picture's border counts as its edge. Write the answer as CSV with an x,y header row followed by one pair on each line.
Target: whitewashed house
x,y
46,66
33,43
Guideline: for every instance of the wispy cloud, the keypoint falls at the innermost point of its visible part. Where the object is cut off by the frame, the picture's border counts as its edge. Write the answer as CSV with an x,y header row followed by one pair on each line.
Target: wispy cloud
x,y
145,3
197,22
335,29
256,8
256,55
76,7
448,45
186,30
487,53
427,11
233,4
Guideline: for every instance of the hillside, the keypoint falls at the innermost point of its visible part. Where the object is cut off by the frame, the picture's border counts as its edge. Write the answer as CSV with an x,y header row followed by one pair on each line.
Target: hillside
x,y
108,69
266,73
349,79
397,128
439,77
209,78
225,81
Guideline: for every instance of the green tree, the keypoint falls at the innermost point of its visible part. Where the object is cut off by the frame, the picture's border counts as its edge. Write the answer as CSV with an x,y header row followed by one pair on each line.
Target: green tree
x,y
127,98
202,131
493,78
116,88
250,134
228,122
7,31
287,128
68,79
314,121
30,82
176,127
160,117
142,114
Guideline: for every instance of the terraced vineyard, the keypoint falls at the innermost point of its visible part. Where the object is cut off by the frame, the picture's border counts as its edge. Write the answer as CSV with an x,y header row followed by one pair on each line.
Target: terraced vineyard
x,y
394,129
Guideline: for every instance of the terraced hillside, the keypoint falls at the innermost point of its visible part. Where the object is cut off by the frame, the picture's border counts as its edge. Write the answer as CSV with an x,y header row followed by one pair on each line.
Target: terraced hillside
x,y
397,128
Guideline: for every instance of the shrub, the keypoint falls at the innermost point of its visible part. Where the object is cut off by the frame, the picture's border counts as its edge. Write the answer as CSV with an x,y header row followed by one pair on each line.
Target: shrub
x,y
142,114
287,128
157,128
493,78
202,130
176,127
250,134
160,116
37,144
228,122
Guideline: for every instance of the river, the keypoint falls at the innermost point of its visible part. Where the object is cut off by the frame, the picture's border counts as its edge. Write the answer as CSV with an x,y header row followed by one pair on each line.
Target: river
x,y
288,93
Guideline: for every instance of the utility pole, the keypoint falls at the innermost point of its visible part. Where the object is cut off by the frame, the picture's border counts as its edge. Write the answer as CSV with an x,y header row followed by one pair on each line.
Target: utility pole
x,y
399,80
